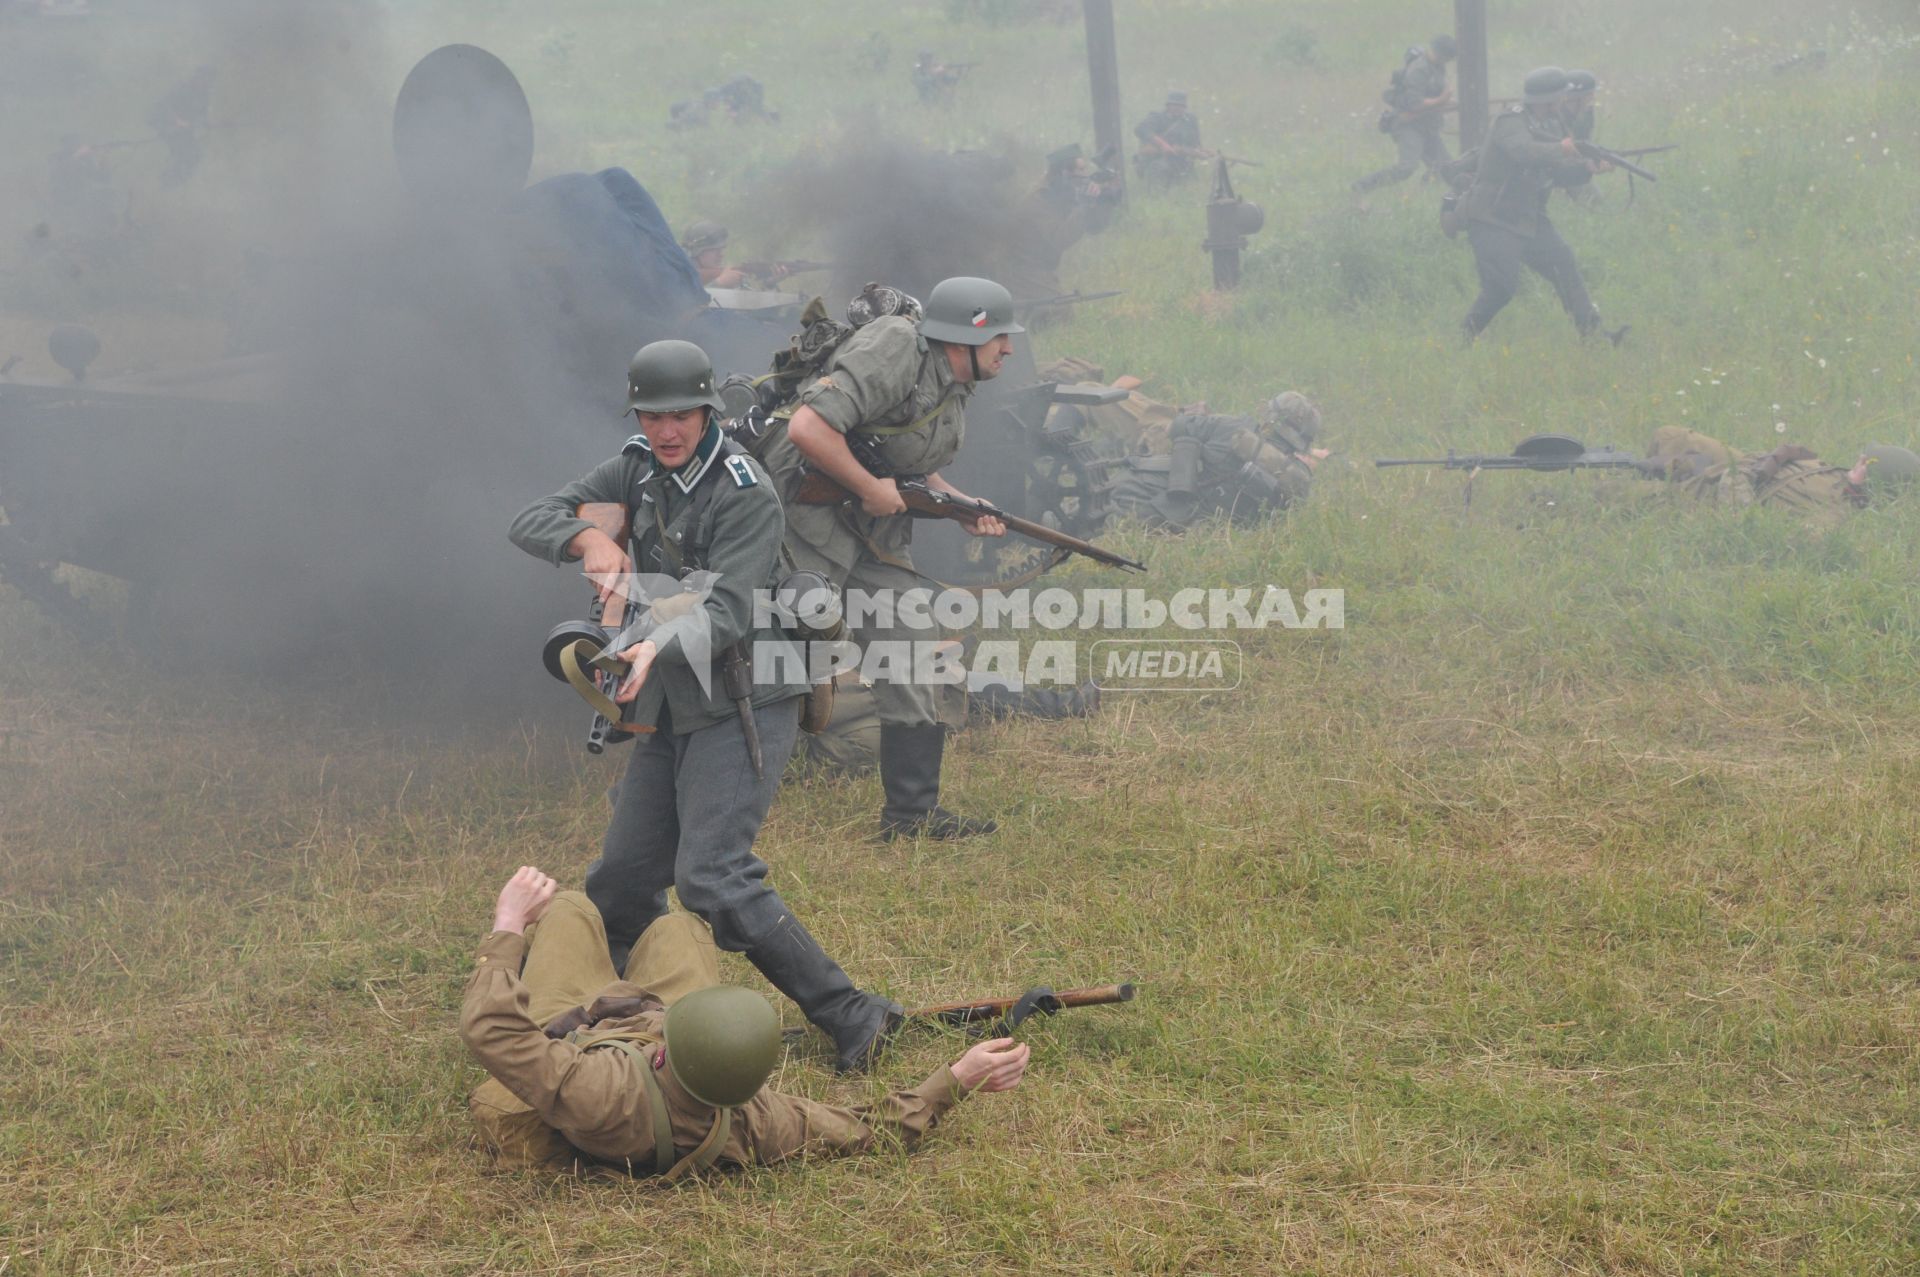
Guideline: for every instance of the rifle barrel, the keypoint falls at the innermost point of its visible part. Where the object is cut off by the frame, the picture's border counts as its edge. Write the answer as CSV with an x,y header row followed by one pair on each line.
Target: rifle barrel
x,y
925,500
1593,151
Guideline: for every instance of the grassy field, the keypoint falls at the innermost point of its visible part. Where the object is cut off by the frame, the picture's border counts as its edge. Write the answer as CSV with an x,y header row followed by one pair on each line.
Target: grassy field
x,y
1555,916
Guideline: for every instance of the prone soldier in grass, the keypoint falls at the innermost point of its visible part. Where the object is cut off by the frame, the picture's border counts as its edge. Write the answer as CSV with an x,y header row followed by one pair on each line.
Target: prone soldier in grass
x,y
1790,477
699,783
664,1070
1242,467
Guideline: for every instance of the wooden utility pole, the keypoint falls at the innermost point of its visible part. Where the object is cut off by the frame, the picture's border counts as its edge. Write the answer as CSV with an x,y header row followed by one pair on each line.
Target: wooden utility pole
x,y
1103,69
1470,29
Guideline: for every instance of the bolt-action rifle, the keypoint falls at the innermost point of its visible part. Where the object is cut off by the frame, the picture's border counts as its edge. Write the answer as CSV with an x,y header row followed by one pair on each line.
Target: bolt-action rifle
x,y
926,502
1007,1013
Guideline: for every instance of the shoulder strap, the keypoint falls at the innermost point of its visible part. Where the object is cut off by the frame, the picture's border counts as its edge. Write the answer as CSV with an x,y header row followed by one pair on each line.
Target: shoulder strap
x,y
709,1150
663,1161
888,432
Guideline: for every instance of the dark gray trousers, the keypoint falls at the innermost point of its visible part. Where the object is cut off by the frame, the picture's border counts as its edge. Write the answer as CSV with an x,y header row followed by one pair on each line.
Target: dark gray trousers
x,y
685,816
1498,255
1417,147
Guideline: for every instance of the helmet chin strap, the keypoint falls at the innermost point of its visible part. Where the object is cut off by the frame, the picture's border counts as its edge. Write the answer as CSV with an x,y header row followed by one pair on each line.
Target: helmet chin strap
x,y
973,360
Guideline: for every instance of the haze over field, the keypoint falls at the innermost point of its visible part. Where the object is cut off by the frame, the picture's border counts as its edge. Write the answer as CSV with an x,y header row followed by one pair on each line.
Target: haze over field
x,y
1557,914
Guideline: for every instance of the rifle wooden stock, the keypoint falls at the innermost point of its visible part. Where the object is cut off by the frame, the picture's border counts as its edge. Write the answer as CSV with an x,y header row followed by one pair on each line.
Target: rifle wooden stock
x,y
818,488
987,1009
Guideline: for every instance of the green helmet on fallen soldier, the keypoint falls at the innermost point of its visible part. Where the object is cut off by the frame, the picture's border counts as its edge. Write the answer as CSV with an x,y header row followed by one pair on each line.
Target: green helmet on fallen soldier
x,y
1890,463
671,376
722,1044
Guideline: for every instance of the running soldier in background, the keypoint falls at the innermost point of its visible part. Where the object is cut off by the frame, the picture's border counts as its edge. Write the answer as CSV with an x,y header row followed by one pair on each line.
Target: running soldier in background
x,y
1528,154
1416,108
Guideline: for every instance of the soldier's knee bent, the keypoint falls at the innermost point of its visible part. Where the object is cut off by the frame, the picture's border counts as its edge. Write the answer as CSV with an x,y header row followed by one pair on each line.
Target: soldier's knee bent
x,y
572,902
678,930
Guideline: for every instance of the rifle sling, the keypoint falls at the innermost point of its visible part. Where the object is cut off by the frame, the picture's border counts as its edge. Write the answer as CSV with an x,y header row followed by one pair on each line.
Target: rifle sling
x,y
656,1102
888,432
573,662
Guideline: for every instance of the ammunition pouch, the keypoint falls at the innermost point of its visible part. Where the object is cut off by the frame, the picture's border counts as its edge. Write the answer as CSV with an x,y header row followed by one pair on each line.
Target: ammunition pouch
x,y
1258,482
1257,452
1183,474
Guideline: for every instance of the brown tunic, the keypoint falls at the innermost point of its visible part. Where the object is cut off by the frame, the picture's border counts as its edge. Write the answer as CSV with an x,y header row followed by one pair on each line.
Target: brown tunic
x,y
596,1099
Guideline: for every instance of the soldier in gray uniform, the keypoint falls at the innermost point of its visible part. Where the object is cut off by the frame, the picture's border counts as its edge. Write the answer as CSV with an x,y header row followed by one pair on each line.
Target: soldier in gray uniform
x,y
1169,142
902,388
687,811
1528,153
1242,467
1415,111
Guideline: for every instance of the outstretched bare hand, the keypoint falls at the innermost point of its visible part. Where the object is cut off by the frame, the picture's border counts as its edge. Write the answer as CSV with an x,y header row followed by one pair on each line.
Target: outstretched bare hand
x,y
996,1064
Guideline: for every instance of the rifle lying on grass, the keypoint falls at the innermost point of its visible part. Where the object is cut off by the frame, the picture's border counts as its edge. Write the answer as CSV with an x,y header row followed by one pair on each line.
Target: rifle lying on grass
x,y
924,502
1007,1013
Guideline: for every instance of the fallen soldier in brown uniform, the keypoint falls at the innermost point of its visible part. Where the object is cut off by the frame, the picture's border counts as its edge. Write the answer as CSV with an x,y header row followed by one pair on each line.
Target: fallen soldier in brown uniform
x,y
586,1068
1789,477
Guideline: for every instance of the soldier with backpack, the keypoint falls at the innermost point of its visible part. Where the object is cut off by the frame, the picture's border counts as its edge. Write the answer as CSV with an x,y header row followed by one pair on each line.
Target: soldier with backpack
x,y
899,384
1417,102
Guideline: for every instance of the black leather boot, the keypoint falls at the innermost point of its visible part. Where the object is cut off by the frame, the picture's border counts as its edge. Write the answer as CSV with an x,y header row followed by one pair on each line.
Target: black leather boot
x,y
910,778
859,1023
